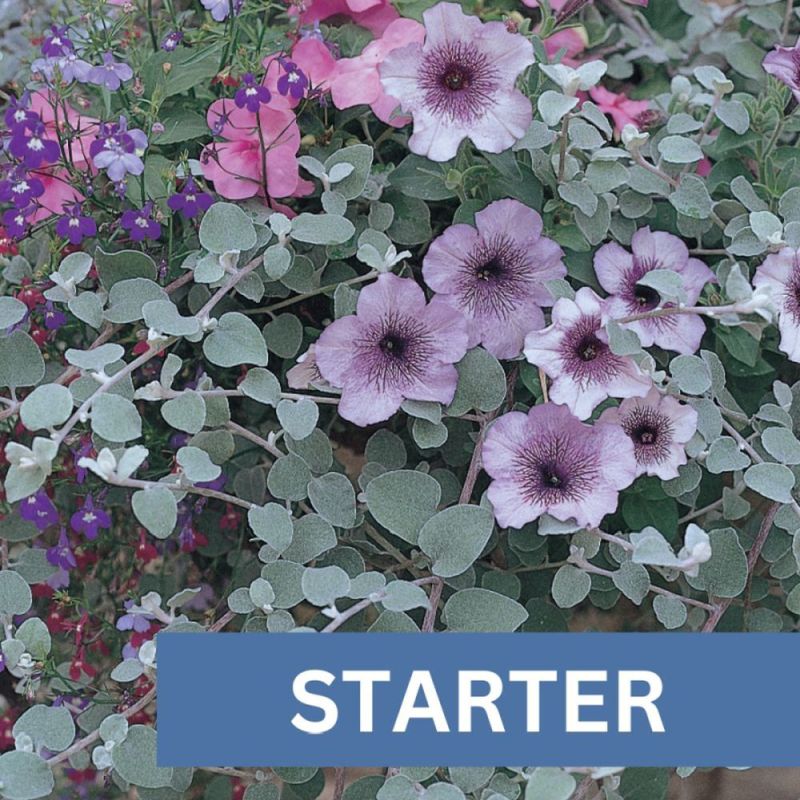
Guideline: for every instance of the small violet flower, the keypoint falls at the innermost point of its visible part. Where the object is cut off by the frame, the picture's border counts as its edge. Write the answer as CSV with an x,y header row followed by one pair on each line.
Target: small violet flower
x,y
171,41
495,273
39,509
138,621
57,42
118,150
53,318
190,200
16,221
111,74
34,149
293,81
61,555
461,83
251,94
395,347
220,9
140,224
547,461
75,226
573,351
18,116
20,188
89,519
784,64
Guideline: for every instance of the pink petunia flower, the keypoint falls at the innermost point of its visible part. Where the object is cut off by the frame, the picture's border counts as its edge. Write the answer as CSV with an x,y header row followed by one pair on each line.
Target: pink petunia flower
x,y
617,106
574,353
619,271
780,272
495,273
395,347
374,15
547,461
241,166
659,427
357,80
461,84
784,64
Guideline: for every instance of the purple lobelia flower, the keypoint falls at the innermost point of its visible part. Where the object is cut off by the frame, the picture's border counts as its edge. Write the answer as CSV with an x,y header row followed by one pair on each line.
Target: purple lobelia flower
x,y
494,274
780,273
547,461
171,41
140,224
20,188
53,318
574,353
190,200
251,95
61,555
70,67
89,519
139,621
118,150
111,74
395,347
293,81
220,9
15,221
57,42
619,271
18,116
460,83
33,148
39,509
784,64
74,225
659,427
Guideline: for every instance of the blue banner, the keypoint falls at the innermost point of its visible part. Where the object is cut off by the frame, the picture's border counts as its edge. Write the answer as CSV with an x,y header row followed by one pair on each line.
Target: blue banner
x,y
463,699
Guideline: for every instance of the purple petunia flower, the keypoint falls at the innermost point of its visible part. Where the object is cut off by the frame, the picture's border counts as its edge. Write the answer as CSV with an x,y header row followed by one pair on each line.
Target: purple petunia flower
x,y
191,200
118,150
220,9
784,64
780,273
460,83
61,555
171,41
74,225
395,347
34,149
252,94
39,509
20,188
574,353
547,461
53,318
111,74
140,224
659,427
494,274
619,271
57,42
89,519
293,80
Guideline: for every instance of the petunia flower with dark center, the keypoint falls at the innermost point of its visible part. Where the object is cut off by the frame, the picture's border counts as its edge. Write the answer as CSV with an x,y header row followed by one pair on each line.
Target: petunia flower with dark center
x,y
659,427
780,273
495,274
619,272
574,352
395,347
460,83
547,461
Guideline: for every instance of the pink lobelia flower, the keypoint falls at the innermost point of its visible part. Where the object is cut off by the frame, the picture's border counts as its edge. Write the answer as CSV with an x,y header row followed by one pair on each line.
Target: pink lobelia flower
x,y
622,110
395,347
240,166
357,80
461,83
574,353
659,427
619,272
547,461
784,64
494,273
780,272
374,15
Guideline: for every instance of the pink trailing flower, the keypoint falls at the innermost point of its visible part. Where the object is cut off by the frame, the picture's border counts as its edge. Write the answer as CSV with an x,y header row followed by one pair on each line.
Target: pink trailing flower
x,y
572,41
619,271
495,273
784,64
357,80
395,347
374,15
617,106
461,84
780,273
236,165
574,353
659,427
548,462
